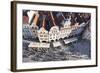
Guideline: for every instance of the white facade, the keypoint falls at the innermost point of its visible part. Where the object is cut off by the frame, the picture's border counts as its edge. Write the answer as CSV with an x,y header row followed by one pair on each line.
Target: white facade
x,y
77,29
65,32
62,32
66,29
43,35
75,26
67,23
34,27
34,30
54,33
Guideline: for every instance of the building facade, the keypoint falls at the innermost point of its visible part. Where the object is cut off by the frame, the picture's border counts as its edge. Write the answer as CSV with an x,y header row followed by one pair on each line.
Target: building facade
x,y
54,33
34,27
27,33
43,35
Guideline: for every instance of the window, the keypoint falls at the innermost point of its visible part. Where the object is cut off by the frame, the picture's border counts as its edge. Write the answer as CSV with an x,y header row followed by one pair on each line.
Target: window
x,y
41,35
45,35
